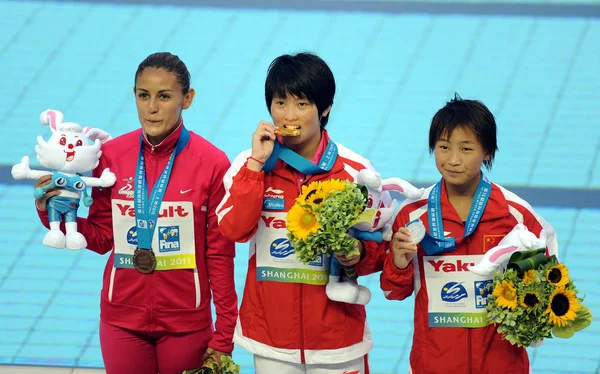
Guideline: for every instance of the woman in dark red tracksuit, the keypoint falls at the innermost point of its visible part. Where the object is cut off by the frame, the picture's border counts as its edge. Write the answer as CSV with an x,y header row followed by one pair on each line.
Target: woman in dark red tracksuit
x,y
167,256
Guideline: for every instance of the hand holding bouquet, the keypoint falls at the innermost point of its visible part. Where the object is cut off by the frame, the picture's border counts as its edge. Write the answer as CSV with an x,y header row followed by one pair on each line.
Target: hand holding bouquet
x,y
228,366
536,299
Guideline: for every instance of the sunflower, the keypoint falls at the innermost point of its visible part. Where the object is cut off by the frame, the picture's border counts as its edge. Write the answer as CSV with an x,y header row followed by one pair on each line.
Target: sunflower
x,y
315,197
311,189
558,275
301,222
530,300
529,277
562,306
506,294
333,185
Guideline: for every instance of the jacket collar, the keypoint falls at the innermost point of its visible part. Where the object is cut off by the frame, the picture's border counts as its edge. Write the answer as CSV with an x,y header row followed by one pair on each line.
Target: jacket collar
x,y
166,146
496,207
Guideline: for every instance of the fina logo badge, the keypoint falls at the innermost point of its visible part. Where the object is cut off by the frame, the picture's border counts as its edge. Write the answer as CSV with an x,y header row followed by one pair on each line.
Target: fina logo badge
x,y
132,236
482,290
168,239
281,248
318,261
273,199
453,292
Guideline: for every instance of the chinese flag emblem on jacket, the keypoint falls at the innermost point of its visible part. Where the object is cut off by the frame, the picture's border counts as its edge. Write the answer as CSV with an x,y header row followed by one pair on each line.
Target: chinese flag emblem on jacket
x,y
490,241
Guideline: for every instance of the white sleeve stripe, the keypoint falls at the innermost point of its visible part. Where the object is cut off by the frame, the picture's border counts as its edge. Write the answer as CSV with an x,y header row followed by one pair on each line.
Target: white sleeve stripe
x,y
352,171
235,167
222,213
353,156
515,212
511,196
417,213
552,241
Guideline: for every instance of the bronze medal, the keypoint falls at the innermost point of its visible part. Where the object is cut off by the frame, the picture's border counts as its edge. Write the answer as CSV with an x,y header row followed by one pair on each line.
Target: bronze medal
x,y
144,260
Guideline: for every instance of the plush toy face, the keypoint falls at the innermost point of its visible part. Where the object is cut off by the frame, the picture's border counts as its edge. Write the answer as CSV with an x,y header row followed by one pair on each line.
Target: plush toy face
x,y
383,203
68,149
384,208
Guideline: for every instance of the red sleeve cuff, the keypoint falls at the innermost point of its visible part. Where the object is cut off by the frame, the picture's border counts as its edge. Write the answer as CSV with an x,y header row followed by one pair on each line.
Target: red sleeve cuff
x,y
395,275
245,173
371,259
220,346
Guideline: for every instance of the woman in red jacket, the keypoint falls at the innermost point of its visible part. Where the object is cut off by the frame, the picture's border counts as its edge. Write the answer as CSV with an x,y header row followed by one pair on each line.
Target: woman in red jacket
x,y
286,319
167,255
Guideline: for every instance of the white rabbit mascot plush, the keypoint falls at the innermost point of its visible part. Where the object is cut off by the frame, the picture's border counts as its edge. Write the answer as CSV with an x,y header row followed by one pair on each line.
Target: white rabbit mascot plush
x,y
377,229
518,239
68,153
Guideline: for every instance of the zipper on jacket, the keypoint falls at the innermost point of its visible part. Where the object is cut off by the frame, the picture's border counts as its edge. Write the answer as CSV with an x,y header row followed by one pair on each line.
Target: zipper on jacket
x,y
303,180
300,297
153,274
469,343
152,301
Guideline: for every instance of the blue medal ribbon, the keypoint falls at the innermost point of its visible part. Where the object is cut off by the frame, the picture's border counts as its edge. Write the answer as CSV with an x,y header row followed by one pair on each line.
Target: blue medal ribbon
x,y
280,151
146,212
434,242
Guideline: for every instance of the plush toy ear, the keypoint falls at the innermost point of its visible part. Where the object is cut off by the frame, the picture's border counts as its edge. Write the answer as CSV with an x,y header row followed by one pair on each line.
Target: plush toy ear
x,y
52,118
94,133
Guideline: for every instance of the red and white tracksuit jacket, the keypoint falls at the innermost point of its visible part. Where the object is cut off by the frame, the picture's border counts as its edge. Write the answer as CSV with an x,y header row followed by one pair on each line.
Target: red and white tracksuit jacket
x,y
288,321
479,350
171,300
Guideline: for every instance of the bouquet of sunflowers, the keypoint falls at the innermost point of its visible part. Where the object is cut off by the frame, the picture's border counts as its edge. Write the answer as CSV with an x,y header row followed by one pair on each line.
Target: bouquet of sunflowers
x,y
536,299
228,366
321,217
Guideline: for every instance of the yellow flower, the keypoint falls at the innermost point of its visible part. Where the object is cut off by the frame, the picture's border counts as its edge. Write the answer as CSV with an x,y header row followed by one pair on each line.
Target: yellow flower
x,y
333,185
558,275
530,299
562,306
314,197
506,295
306,190
529,277
301,222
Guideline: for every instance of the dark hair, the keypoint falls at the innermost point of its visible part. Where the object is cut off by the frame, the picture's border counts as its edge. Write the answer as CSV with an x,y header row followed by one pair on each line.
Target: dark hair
x,y
471,114
169,62
303,75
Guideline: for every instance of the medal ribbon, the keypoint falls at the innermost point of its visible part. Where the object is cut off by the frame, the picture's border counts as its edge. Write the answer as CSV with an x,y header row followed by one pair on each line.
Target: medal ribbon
x,y
435,243
146,212
280,151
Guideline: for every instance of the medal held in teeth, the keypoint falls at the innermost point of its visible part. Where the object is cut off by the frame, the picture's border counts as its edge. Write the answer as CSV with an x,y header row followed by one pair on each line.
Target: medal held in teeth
x,y
288,130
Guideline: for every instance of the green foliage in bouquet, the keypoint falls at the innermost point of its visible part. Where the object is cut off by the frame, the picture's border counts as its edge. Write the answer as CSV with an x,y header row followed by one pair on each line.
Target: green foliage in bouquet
x,y
228,366
535,299
319,220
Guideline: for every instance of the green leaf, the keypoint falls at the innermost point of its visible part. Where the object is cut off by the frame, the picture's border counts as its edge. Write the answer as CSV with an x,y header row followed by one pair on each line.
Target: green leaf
x,y
563,332
584,319
366,216
528,263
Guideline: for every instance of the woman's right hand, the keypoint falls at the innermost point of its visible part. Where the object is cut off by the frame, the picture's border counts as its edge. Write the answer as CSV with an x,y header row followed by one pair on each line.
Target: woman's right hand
x,y
402,248
263,141
50,192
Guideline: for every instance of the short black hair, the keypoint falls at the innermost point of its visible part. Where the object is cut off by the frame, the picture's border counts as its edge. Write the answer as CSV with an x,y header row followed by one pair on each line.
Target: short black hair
x,y
471,114
304,75
171,63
